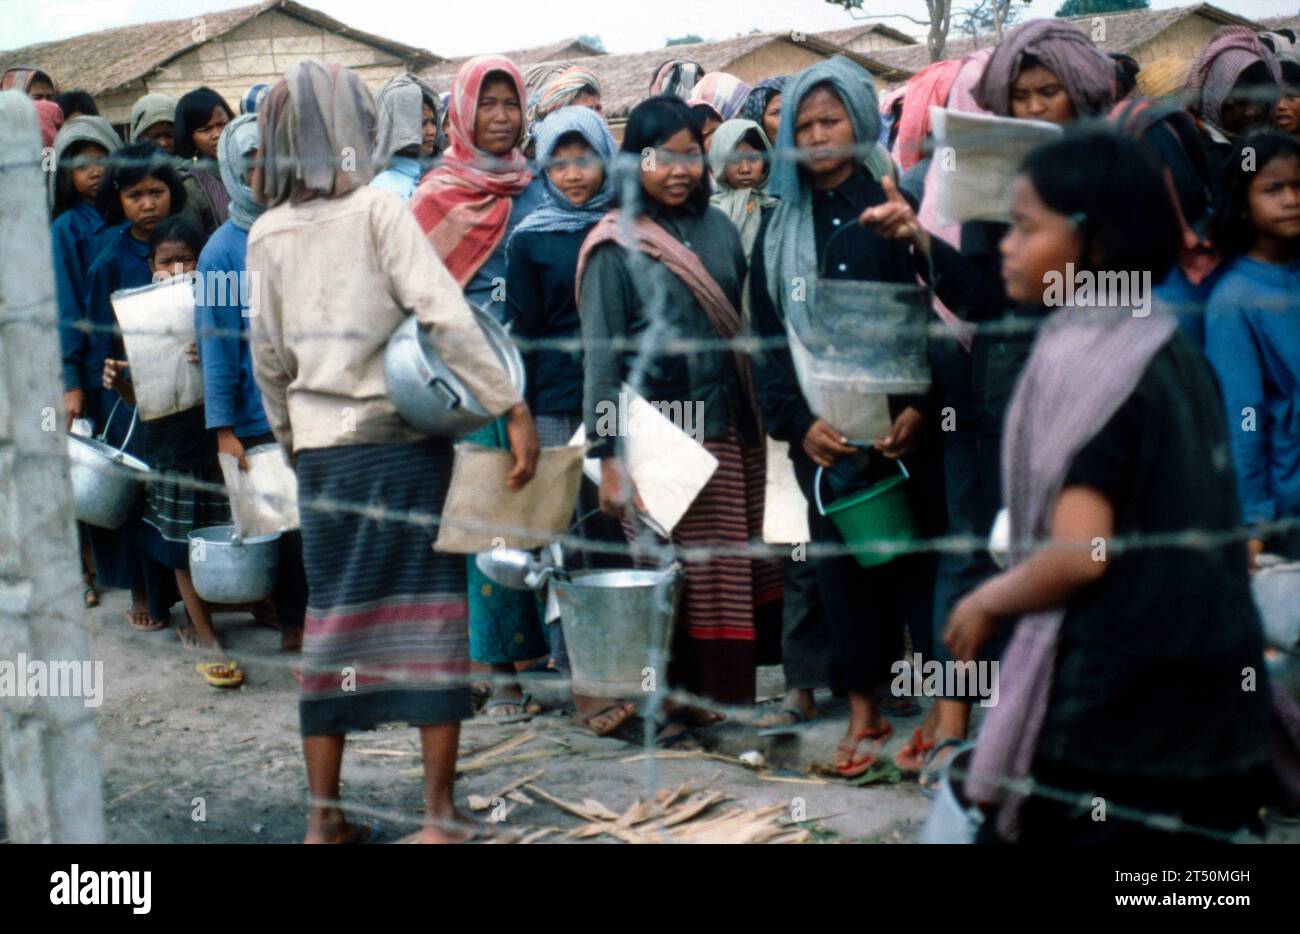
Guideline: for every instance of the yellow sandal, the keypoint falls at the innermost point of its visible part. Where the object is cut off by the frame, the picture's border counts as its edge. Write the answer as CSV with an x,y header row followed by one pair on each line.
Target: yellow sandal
x,y
221,674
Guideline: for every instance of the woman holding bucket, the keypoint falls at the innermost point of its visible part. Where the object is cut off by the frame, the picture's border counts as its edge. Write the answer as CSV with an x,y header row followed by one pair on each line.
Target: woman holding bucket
x,y
386,634
829,113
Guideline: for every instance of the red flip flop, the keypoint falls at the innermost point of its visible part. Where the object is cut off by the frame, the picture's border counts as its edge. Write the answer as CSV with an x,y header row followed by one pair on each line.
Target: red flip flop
x,y
855,767
919,748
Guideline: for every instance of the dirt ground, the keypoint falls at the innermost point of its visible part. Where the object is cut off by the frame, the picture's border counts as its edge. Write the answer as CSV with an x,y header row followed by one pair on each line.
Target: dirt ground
x,y
171,746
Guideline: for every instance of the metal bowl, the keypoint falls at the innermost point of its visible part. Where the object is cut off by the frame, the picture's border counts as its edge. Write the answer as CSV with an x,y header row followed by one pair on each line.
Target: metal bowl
x,y
228,569
425,390
106,482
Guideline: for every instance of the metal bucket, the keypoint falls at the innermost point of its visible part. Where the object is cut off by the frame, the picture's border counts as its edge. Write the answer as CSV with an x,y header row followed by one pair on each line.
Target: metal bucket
x,y
952,818
106,481
616,623
426,392
1277,594
228,569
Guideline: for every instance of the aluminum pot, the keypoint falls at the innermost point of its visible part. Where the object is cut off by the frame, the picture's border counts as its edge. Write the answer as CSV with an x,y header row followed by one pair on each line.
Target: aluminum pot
x,y
106,481
425,390
229,569
952,818
1276,591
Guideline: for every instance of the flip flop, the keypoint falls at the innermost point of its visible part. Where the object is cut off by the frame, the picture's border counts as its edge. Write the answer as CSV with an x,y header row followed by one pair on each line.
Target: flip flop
x,y
855,767
522,704
612,708
920,748
221,674
929,777
801,723
133,618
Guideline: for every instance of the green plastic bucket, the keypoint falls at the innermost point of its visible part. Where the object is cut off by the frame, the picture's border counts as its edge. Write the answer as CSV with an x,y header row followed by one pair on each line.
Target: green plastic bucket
x,y
868,520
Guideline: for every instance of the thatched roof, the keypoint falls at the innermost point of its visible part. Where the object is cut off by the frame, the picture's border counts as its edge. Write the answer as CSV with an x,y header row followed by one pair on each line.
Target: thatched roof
x,y
114,58
1124,33
625,79
845,36
554,52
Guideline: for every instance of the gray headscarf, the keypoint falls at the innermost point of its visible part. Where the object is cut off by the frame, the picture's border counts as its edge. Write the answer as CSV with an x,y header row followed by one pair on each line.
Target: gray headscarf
x,y
149,110
81,129
400,116
791,243
1065,50
237,140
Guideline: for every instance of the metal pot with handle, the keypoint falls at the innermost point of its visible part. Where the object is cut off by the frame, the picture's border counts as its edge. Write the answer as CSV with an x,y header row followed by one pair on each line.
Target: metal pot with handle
x,y
106,481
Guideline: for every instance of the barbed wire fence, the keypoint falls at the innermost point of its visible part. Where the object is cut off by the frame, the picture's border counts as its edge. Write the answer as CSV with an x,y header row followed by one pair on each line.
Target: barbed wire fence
x,y
28,332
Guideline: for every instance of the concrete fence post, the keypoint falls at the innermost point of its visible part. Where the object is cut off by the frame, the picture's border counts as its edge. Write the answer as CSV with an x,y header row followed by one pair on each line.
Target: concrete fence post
x,y
48,752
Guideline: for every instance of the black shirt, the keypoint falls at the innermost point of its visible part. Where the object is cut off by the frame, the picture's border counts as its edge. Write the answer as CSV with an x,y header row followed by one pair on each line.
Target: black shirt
x,y
1149,672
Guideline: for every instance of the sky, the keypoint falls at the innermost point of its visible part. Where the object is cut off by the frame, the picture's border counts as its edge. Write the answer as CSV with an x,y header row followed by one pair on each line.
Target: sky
x,y
451,28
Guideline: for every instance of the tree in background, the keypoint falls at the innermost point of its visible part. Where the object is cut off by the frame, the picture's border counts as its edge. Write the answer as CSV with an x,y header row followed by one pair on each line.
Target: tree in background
x,y
683,40
939,22
1085,7
989,16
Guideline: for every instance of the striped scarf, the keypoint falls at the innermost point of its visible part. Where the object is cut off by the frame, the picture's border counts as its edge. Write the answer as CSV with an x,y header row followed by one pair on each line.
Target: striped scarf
x,y
463,204
1216,70
725,92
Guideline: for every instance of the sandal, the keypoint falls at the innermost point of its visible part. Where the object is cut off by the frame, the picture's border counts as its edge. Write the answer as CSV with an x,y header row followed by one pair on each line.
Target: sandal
x,y
911,763
684,739
798,722
930,773
221,674
141,621
522,703
627,711
855,767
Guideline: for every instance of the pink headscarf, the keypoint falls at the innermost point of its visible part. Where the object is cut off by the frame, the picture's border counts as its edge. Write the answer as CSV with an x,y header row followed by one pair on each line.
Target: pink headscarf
x,y
961,98
51,117
725,92
463,204
928,86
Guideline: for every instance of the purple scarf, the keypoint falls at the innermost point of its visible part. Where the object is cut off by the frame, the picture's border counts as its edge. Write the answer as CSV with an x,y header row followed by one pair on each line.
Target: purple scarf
x,y
1084,365
1066,51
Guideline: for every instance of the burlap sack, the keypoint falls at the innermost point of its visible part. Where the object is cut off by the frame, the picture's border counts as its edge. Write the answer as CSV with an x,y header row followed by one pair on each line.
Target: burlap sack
x,y
481,513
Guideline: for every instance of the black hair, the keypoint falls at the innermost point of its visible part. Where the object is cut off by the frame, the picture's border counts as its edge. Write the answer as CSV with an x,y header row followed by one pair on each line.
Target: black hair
x,y
65,193
656,120
569,139
702,113
1232,231
177,228
1126,73
754,137
1290,73
194,112
129,165
499,76
1125,217
77,102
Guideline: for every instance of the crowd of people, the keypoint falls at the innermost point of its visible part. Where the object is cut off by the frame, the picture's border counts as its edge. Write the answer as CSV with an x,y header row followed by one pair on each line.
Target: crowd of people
x,y
1120,677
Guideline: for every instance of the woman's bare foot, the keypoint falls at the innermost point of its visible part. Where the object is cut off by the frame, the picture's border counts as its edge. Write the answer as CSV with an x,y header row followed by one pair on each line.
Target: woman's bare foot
x,y
875,727
800,700
196,641
606,721
452,827
330,826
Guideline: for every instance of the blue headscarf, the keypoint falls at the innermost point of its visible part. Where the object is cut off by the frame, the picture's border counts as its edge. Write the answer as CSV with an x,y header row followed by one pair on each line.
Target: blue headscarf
x,y
790,249
558,213
761,96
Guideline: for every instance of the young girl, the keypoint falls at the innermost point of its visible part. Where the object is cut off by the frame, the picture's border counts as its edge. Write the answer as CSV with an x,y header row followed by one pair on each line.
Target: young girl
x,y
740,156
80,149
201,115
1253,330
1114,431
407,136
699,265
153,120
340,265
468,205
138,190
577,150
182,448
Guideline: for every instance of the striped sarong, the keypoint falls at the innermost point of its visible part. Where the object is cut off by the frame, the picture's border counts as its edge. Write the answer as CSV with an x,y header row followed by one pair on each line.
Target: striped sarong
x,y
728,600
386,636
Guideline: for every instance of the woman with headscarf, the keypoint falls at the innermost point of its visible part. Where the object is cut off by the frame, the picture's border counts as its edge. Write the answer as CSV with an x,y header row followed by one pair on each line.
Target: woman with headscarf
x,y
576,151
340,265
677,77
763,105
80,148
232,402
468,205
201,115
405,144
830,115
1231,90
32,81
1046,70
1286,116
725,92
153,120
741,160
574,86
252,98
688,255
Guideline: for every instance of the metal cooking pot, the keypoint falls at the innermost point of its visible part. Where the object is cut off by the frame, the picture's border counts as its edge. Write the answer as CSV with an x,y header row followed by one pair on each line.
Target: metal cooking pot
x,y
1277,594
106,481
229,569
423,387
952,818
